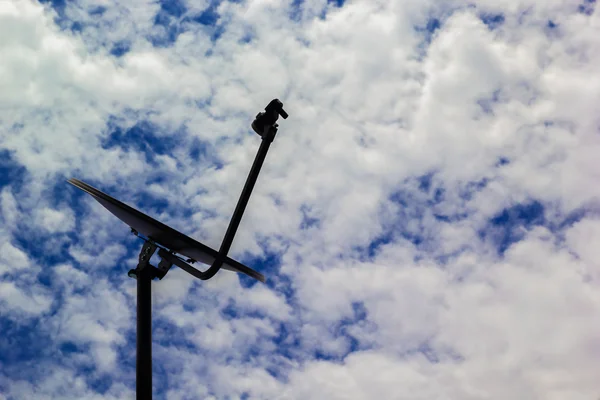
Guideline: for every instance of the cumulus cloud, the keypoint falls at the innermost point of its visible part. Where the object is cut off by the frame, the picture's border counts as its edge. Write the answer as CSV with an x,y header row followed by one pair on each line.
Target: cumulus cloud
x,y
22,300
426,217
55,221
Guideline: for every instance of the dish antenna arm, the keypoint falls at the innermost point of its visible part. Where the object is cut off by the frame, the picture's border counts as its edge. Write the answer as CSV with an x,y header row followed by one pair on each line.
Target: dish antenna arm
x,y
264,125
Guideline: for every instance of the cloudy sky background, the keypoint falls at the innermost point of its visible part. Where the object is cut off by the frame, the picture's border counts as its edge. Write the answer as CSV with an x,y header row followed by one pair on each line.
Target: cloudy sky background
x,y
428,218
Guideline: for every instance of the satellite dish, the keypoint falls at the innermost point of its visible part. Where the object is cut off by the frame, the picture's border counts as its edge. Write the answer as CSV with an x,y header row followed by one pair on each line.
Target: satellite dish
x,y
164,236
172,243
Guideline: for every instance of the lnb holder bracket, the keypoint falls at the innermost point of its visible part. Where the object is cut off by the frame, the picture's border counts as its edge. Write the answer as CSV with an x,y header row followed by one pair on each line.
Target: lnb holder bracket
x,y
148,250
167,260
265,122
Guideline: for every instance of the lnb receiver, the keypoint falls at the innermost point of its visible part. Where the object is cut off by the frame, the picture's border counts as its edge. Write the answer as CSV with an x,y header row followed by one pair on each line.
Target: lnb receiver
x,y
266,120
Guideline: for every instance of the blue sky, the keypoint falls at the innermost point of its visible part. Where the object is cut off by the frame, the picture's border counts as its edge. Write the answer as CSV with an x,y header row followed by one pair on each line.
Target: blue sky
x,y
426,218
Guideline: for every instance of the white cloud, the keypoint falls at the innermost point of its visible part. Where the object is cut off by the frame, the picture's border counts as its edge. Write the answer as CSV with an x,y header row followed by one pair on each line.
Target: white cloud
x,y
10,211
581,240
366,375
66,384
12,258
373,107
55,221
28,302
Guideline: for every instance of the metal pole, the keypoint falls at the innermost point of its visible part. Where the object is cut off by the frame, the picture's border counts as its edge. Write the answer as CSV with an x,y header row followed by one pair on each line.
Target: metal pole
x,y
143,383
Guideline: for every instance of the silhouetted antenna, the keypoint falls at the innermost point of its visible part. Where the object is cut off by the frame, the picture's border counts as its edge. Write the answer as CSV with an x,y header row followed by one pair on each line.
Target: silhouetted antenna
x,y
175,248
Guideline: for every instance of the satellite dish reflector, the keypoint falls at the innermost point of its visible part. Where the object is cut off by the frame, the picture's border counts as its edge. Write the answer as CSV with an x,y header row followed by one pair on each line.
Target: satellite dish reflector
x,y
164,235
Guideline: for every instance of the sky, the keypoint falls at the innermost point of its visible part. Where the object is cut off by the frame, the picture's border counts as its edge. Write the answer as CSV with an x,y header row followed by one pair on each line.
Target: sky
x,y
427,219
